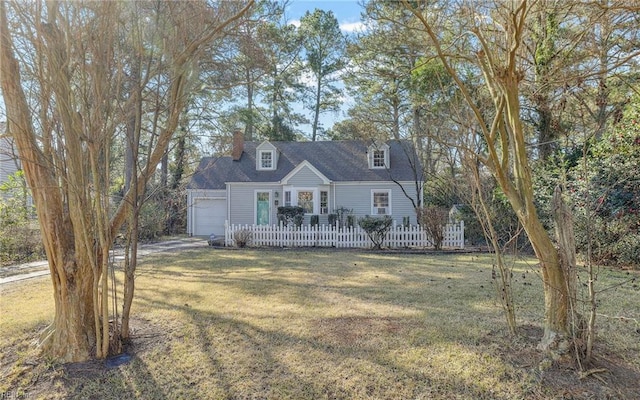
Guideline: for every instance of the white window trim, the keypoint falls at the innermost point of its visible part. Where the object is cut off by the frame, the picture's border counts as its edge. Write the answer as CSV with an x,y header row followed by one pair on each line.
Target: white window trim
x,y
374,210
286,192
294,190
316,197
320,200
384,159
273,160
385,149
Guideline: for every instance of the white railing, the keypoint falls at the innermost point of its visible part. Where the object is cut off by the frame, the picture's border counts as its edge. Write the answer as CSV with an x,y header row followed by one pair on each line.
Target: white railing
x,y
328,236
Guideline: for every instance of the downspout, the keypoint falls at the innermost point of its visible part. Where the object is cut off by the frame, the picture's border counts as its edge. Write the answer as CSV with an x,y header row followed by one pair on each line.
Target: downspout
x,y
189,214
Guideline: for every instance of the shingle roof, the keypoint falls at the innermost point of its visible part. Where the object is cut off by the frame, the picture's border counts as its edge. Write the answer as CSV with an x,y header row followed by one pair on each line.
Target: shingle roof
x,y
339,161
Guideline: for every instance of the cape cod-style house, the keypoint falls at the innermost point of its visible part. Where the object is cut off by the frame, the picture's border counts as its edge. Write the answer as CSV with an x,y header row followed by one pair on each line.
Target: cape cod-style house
x,y
248,186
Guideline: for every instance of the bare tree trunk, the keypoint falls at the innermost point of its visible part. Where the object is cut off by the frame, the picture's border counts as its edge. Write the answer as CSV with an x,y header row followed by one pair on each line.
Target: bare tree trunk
x,y
67,168
316,111
506,154
250,128
481,209
130,265
72,334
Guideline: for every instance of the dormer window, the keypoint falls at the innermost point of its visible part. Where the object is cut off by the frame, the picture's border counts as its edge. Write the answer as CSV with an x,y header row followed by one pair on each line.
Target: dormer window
x,y
378,155
266,157
266,160
378,158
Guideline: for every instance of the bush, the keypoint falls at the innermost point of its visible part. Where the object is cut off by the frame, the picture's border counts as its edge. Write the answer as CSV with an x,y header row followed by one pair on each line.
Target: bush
x,y
606,195
351,221
627,250
152,220
342,215
433,219
20,238
290,214
333,219
376,228
315,220
242,238
20,243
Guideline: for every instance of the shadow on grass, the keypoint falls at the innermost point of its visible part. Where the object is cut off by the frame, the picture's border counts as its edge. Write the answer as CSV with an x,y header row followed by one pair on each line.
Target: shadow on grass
x,y
95,380
309,325
351,358
307,331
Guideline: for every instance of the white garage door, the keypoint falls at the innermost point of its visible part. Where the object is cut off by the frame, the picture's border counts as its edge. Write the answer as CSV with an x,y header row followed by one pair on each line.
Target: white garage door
x,y
209,216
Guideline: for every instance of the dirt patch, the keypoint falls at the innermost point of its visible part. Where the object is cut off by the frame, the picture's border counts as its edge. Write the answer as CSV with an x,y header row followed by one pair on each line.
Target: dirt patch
x,y
357,331
608,376
26,374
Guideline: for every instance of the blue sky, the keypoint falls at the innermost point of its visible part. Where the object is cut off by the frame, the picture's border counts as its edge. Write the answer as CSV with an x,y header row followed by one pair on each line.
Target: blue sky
x,y
347,12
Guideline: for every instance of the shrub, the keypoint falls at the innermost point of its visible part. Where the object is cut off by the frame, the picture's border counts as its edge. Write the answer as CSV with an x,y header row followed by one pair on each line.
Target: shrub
x,y
351,221
20,238
242,238
627,250
342,214
376,228
433,219
606,194
152,220
20,243
315,220
290,214
333,219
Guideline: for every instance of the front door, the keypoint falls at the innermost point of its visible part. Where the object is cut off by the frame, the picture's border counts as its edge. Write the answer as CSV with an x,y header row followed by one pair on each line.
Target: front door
x,y
262,208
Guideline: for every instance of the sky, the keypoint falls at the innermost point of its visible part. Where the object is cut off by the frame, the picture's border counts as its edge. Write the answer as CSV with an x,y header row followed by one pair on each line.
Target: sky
x,y
347,12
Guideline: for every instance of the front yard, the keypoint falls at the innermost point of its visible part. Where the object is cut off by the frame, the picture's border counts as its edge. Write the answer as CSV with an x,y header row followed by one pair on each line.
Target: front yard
x,y
299,324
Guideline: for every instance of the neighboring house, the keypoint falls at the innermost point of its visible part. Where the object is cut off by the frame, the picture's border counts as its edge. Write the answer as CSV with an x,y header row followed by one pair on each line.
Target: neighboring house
x,y
249,186
8,160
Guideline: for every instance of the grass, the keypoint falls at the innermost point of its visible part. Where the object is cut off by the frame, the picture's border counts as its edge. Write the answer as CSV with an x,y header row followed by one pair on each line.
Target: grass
x,y
289,324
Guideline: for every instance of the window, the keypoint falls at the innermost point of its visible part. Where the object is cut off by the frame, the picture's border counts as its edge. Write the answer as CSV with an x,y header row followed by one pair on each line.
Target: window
x,y
381,202
266,160
378,159
287,198
324,202
305,200
378,156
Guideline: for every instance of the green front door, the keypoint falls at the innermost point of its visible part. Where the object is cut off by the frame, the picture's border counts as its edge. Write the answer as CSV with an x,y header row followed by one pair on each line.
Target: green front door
x,y
262,208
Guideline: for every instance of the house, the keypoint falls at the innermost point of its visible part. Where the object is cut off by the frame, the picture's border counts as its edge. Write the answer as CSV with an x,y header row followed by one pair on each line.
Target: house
x,y
248,186
8,159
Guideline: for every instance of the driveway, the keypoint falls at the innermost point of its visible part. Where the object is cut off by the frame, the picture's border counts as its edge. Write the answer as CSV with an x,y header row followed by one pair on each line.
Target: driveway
x,y
34,269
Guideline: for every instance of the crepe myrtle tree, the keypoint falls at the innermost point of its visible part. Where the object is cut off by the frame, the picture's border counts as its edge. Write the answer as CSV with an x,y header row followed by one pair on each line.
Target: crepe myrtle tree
x,y
498,31
65,82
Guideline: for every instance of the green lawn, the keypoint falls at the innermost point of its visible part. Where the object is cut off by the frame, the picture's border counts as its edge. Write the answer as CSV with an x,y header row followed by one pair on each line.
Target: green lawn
x,y
289,324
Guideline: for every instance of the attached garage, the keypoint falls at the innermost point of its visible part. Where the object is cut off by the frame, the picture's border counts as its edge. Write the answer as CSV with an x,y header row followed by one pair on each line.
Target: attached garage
x,y
208,216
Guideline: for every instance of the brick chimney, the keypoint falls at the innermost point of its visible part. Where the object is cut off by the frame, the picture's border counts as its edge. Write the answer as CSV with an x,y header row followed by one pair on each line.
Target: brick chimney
x,y
238,145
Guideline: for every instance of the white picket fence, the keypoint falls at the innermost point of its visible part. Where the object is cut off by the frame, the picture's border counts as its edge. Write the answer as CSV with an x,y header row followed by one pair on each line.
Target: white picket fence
x,y
328,236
